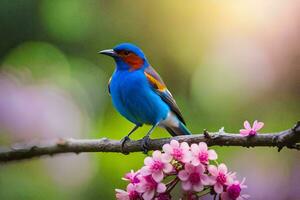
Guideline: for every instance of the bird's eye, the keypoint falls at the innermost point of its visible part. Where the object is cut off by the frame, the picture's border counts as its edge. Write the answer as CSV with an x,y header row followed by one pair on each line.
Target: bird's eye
x,y
126,53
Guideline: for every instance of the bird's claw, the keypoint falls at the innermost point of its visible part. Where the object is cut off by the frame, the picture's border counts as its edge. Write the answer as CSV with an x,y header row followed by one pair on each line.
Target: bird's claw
x,y
123,141
145,144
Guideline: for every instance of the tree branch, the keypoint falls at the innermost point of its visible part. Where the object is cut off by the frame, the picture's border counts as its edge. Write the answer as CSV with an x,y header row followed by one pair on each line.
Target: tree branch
x,y
289,138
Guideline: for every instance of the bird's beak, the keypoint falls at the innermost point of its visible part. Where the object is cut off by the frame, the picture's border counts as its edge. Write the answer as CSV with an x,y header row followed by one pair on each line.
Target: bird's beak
x,y
109,52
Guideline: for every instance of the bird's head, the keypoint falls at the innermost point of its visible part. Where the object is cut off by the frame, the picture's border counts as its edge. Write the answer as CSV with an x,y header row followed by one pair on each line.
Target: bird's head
x,y
127,56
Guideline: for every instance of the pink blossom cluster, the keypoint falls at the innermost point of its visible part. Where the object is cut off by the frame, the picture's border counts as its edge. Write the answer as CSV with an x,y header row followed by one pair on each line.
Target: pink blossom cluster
x,y
194,167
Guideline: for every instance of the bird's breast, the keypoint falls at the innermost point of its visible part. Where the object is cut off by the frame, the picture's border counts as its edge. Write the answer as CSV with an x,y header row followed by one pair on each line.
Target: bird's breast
x,y
126,83
134,98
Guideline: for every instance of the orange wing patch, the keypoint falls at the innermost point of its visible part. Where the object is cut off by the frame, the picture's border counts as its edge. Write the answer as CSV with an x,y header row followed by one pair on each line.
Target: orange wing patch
x,y
161,89
156,83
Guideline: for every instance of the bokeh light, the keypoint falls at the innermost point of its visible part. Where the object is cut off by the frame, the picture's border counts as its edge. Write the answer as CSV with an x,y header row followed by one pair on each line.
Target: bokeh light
x,y
223,61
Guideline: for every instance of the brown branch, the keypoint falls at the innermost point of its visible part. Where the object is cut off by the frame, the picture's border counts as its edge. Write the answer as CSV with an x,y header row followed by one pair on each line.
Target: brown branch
x,y
289,138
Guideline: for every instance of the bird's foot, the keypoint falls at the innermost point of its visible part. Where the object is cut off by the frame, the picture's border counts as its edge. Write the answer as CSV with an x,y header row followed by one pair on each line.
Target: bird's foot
x,y
123,141
145,144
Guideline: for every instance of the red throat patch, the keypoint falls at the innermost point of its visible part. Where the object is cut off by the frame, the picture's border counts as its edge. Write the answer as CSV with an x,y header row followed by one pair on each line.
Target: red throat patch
x,y
134,61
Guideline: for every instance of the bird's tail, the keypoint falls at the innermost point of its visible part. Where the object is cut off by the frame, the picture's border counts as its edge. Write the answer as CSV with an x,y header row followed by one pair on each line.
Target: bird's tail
x,y
181,129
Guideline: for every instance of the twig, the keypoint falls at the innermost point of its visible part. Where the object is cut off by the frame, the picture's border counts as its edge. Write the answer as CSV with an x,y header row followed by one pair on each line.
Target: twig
x,y
172,184
289,138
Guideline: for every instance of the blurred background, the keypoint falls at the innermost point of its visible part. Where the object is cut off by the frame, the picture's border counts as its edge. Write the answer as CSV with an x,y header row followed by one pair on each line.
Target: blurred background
x,y
224,62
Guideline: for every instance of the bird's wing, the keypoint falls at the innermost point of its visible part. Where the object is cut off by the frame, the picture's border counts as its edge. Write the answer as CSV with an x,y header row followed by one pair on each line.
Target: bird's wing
x,y
160,88
108,85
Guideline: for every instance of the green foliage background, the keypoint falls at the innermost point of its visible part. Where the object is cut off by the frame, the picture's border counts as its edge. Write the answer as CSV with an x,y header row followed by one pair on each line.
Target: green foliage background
x,y
224,62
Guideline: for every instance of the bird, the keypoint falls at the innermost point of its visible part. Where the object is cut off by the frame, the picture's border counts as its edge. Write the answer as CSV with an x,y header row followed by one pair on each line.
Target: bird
x,y
140,95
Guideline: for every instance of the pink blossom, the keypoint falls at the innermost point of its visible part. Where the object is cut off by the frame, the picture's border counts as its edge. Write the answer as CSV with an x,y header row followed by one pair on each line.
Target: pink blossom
x,y
220,177
156,166
201,154
132,177
233,191
148,186
190,166
193,177
180,152
251,131
130,193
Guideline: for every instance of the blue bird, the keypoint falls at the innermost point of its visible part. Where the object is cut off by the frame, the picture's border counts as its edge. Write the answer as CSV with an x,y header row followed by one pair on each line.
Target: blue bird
x,y
140,95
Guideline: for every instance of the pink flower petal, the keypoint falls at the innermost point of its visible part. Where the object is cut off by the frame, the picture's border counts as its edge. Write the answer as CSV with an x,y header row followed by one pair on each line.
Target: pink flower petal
x,y
218,188
232,174
195,161
156,155
195,149
185,146
145,171
189,167
254,124
161,188
140,188
167,148
183,175
148,161
229,179
200,169
244,132
168,168
258,126
205,179
174,143
130,187
187,157
211,180
122,195
222,168
198,187
203,146
148,195
213,170
166,158
247,125
120,191
212,155
158,176
244,196
186,185
243,181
